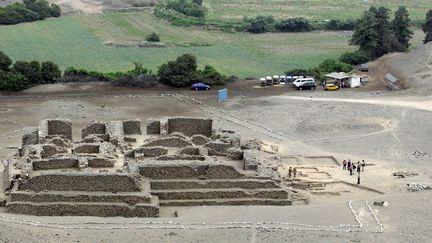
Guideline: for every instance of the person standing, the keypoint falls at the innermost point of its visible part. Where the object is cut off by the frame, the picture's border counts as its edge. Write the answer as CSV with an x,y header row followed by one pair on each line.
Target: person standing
x,y
349,164
363,164
358,179
358,167
344,164
294,172
350,168
290,172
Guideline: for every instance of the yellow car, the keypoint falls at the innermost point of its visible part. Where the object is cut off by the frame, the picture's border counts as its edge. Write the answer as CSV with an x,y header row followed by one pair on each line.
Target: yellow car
x,y
331,87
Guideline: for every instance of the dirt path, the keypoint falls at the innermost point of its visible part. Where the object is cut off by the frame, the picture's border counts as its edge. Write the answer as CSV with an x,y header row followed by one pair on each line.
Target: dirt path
x,y
85,6
421,105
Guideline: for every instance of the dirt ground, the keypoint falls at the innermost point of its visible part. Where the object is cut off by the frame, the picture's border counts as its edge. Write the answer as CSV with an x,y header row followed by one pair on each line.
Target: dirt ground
x,y
314,130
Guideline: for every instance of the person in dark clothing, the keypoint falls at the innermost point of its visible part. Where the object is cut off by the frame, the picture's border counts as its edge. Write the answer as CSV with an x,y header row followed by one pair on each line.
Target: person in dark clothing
x,y
344,164
290,172
358,167
358,179
350,168
363,164
294,172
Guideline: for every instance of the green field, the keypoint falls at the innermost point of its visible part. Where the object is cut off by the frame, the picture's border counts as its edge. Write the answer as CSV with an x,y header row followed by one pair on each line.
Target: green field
x,y
311,9
79,40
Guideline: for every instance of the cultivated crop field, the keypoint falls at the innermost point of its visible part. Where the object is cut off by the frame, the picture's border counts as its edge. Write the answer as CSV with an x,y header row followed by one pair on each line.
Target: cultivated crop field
x,y
78,40
311,9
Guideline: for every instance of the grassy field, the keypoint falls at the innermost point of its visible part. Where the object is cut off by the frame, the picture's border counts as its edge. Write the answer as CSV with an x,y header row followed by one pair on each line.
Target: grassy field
x,y
312,9
79,40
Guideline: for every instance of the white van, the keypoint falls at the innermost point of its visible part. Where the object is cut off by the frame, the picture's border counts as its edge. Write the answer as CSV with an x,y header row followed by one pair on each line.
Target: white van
x,y
300,81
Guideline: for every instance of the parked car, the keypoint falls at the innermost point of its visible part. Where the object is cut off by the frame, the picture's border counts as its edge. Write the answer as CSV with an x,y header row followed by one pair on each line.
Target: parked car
x,y
200,86
309,84
331,87
282,79
263,82
300,81
269,80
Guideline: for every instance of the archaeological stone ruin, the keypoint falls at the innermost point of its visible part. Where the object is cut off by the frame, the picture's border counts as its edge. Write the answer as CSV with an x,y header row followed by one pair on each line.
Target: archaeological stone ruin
x,y
114,169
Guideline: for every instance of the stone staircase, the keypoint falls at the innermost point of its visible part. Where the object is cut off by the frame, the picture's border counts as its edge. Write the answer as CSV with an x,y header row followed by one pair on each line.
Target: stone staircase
x,y
84,194
186,183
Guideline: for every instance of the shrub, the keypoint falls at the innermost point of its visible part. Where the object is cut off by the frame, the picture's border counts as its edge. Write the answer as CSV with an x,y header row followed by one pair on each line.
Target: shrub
x,y
210,76
179,73
332,65
30,70
30,10
336,24
11,81
293,25
187,8
354,58
198,2
5,61
259,24
153,37
50,72
136,81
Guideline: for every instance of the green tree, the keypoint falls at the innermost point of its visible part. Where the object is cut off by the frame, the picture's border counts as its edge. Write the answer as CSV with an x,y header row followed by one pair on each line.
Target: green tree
x,y
55,10
153,37
30,70
427,27
400,26
198,2
210,76
50,72
354,58
179,73
11,81
372,32
5,61
331,65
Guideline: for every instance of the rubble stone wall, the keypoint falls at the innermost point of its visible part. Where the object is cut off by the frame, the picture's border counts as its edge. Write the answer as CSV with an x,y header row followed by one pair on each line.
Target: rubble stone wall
x,y
190,126
132,127
94,127
60,127
81,181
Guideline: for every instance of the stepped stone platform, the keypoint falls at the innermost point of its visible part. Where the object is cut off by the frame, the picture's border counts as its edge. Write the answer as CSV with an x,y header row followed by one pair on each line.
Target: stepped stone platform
x,y
115,170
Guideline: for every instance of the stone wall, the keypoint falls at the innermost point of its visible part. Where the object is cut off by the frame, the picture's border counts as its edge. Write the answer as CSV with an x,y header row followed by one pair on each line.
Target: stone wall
x,y
172,142
95,127
30,137
87,148
132,127
83,181
59,127
190,126
153,127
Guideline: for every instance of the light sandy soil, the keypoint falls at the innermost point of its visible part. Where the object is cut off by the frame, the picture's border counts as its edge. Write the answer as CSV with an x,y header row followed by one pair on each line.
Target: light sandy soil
x,y
383,128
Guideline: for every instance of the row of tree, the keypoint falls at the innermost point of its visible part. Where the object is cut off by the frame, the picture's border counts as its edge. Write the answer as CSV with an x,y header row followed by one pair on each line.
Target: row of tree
x,y
21,74
376,35
28,11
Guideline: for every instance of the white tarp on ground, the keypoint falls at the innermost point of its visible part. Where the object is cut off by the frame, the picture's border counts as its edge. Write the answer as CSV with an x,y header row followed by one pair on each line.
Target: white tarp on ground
x,y
338,76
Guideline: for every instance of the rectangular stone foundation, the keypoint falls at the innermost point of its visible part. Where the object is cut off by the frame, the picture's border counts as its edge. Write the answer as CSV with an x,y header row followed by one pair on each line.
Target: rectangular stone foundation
x,y
86,209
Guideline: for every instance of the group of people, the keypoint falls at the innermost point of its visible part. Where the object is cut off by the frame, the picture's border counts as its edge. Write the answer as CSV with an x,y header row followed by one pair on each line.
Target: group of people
x,y
351,166
292,172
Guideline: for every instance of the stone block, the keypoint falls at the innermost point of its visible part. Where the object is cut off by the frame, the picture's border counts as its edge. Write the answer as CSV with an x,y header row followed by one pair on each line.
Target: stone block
x,y
87,148
190,126
250,159
65,162
235,153
100,162
132,127
153,127
95,127
189,151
